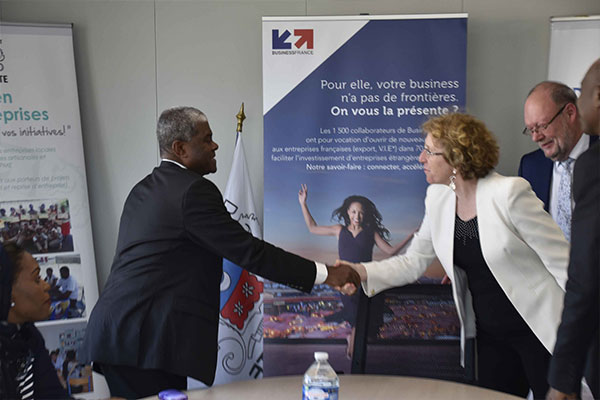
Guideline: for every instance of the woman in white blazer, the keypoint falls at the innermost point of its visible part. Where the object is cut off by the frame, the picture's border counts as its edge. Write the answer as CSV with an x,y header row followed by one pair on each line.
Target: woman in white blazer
x,y
505,256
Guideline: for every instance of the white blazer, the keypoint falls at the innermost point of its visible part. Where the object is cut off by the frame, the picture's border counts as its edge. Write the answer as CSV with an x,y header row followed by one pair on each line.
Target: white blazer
x,y
523,247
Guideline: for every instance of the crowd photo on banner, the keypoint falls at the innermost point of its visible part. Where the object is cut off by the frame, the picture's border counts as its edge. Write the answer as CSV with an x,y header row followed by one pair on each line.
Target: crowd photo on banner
x,y
42,227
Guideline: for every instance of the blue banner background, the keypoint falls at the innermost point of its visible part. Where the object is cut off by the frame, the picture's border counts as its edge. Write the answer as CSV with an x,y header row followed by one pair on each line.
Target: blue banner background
x,y
400,50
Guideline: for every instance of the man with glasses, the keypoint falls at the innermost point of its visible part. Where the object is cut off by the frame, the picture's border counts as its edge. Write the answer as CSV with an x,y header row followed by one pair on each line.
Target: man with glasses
x,y
552,121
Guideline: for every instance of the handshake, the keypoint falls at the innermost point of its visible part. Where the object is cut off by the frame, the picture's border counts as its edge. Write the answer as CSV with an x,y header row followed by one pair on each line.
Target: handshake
x,y
345,276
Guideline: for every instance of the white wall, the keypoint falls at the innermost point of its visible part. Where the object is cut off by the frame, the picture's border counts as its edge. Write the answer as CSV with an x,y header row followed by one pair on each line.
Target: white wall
x,y
135,58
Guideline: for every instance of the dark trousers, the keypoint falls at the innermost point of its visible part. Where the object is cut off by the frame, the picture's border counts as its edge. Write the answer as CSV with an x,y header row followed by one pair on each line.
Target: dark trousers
x,y
133,383
513,364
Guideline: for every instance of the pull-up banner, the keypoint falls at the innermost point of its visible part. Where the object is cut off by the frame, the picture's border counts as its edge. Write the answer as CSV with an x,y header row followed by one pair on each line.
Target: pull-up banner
x,y
43,188
574,46
343,102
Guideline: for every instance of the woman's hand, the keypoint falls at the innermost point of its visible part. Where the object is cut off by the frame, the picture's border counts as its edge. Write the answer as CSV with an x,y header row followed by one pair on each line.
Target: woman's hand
x,y
302,194
311,224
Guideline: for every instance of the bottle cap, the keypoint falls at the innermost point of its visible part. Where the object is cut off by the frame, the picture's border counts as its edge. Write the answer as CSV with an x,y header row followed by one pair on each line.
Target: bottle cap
x,y
321,356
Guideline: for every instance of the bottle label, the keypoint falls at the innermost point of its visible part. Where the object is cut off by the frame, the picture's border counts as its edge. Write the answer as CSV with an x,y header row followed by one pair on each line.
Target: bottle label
x,y
319,393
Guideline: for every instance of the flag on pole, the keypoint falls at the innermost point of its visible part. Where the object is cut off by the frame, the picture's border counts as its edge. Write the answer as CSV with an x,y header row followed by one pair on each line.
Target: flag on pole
x,y
241,313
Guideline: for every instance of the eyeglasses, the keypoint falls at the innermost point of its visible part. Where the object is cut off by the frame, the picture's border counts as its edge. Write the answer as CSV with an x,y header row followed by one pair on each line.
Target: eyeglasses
x,y
430,153
542,128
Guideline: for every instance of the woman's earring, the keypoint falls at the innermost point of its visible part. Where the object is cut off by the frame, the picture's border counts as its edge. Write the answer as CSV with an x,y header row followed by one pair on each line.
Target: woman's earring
x,y
452,179
12,304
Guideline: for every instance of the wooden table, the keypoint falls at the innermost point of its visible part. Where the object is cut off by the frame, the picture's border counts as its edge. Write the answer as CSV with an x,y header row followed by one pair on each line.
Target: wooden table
x,y
352,387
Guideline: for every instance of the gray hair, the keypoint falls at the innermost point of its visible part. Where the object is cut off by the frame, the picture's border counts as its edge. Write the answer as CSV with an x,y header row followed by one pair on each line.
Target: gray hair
x,y
178,123
559,92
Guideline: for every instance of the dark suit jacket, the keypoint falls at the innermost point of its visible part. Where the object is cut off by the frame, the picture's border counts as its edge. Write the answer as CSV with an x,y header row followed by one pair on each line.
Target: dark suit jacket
x,y
578,333
537,169
160,306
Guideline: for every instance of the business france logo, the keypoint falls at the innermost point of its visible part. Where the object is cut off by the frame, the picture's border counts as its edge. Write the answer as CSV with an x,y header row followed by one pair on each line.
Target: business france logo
x,y
300,43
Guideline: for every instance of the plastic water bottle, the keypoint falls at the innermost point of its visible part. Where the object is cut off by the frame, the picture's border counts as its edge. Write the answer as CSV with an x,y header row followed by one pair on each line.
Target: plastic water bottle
x,y
320,380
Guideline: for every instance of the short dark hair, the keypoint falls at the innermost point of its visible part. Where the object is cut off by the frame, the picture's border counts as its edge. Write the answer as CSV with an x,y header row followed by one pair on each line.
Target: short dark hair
x,y
64,268
178,123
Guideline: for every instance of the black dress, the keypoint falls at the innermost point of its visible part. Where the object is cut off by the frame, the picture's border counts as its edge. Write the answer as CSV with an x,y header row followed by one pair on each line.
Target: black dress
x,y
510,358
23,346
357,250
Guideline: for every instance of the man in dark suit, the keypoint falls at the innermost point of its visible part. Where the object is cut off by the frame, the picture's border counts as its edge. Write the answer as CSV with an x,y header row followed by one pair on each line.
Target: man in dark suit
x,y
578,337
552,121
157,318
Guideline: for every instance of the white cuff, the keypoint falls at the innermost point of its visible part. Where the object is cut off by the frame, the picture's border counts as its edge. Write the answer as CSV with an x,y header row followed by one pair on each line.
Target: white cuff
x,y
321,273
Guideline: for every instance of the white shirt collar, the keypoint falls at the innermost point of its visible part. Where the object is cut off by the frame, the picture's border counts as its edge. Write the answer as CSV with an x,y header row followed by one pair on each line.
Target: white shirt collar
x,y
174,162
581,146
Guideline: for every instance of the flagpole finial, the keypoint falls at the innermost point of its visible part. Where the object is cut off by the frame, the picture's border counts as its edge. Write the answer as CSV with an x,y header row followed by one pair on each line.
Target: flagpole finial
x,y
240,118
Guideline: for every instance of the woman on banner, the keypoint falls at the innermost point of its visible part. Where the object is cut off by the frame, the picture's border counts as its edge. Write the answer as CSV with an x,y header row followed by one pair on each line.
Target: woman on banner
x,y
359,230
26,370
506,257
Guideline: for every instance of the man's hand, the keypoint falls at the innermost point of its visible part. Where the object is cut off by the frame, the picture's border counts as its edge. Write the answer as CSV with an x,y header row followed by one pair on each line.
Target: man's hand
x,y
554,394
362,271
343,278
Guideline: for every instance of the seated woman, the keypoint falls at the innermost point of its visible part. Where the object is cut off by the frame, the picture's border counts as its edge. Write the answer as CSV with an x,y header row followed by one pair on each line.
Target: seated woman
x,y
507,259
24,299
